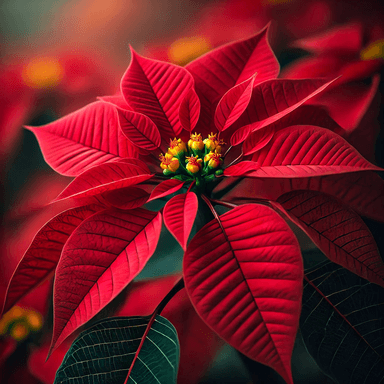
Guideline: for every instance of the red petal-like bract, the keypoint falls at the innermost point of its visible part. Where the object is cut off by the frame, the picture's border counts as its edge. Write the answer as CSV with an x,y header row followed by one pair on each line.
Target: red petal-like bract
x,y
302,151
189,111
100,258
83,139
274,99
348,103
304,115
257,140
156,89
342,39
233,104
218,71
179,216
117,100
362,191
243,273
165,188
42,256
103,178
338,231
126,198
139,129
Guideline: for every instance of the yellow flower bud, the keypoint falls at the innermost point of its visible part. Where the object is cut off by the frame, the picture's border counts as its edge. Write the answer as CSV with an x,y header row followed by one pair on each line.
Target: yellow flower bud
x,y
174,164
169,162
194,164
213,159
211,142
196,142
177,146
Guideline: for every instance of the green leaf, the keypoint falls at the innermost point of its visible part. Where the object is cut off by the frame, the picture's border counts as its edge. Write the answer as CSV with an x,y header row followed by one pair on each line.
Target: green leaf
x,y
342,324
104,353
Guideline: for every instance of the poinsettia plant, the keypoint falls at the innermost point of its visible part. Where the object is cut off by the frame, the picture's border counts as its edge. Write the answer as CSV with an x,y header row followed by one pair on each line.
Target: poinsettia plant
x,y
186,137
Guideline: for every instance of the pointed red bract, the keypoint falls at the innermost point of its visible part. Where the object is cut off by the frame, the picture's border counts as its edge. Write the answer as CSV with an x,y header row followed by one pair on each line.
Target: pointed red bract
x,y
42,256
345,39
117,100
166,188
304,115
302,151
257,140
362,191
139,129
126,198
338,231
348,103
156,89
233,104
83,139
101,257
179,216
274,99
103,178
189,111
244,275
218,71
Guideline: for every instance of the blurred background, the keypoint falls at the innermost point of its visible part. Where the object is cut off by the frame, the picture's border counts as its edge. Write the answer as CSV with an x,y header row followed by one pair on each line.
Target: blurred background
x,y
57,56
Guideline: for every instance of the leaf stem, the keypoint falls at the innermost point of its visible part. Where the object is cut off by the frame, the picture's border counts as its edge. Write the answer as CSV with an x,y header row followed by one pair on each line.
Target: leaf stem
x,y
191,185
238,158
176,288
223,203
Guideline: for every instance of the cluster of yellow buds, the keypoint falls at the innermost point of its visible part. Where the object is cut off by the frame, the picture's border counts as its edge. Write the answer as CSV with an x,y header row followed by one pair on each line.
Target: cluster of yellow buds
x,y
201,156
19,322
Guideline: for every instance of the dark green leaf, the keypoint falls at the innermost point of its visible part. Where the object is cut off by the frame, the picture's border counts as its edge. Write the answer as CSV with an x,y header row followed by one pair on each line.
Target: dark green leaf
x,y
103,353
342,324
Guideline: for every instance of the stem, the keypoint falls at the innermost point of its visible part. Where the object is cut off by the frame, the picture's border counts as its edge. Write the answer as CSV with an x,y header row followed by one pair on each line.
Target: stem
x,y
176,288
227,151
237,158
223,203
191,185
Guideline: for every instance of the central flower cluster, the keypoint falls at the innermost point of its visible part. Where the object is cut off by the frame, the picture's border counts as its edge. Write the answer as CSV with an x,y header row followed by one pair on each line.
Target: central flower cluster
x,y
198,159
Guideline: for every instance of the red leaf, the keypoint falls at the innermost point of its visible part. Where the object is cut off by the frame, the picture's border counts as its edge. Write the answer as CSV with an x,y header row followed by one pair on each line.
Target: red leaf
x,y
233,104
302,151
275,99
139,163
342,39
117,100
243,273
179,216
156,89
139,129
348,103
165,188
221,69
103,178
42,256
189,111
83,139
338,231
126,198
362,191
258,139
101,257
240,134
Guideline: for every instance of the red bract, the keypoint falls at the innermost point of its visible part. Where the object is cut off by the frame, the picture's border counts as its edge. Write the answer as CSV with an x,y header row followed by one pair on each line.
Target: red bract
x,y
243,270
342,51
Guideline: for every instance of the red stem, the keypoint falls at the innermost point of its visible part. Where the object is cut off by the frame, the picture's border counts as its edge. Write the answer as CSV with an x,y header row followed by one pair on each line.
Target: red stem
x,y
176,288
223,203
190,187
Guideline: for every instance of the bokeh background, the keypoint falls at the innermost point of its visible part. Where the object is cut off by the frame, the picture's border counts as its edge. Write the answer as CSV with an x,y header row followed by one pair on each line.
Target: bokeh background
x,y
57,56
